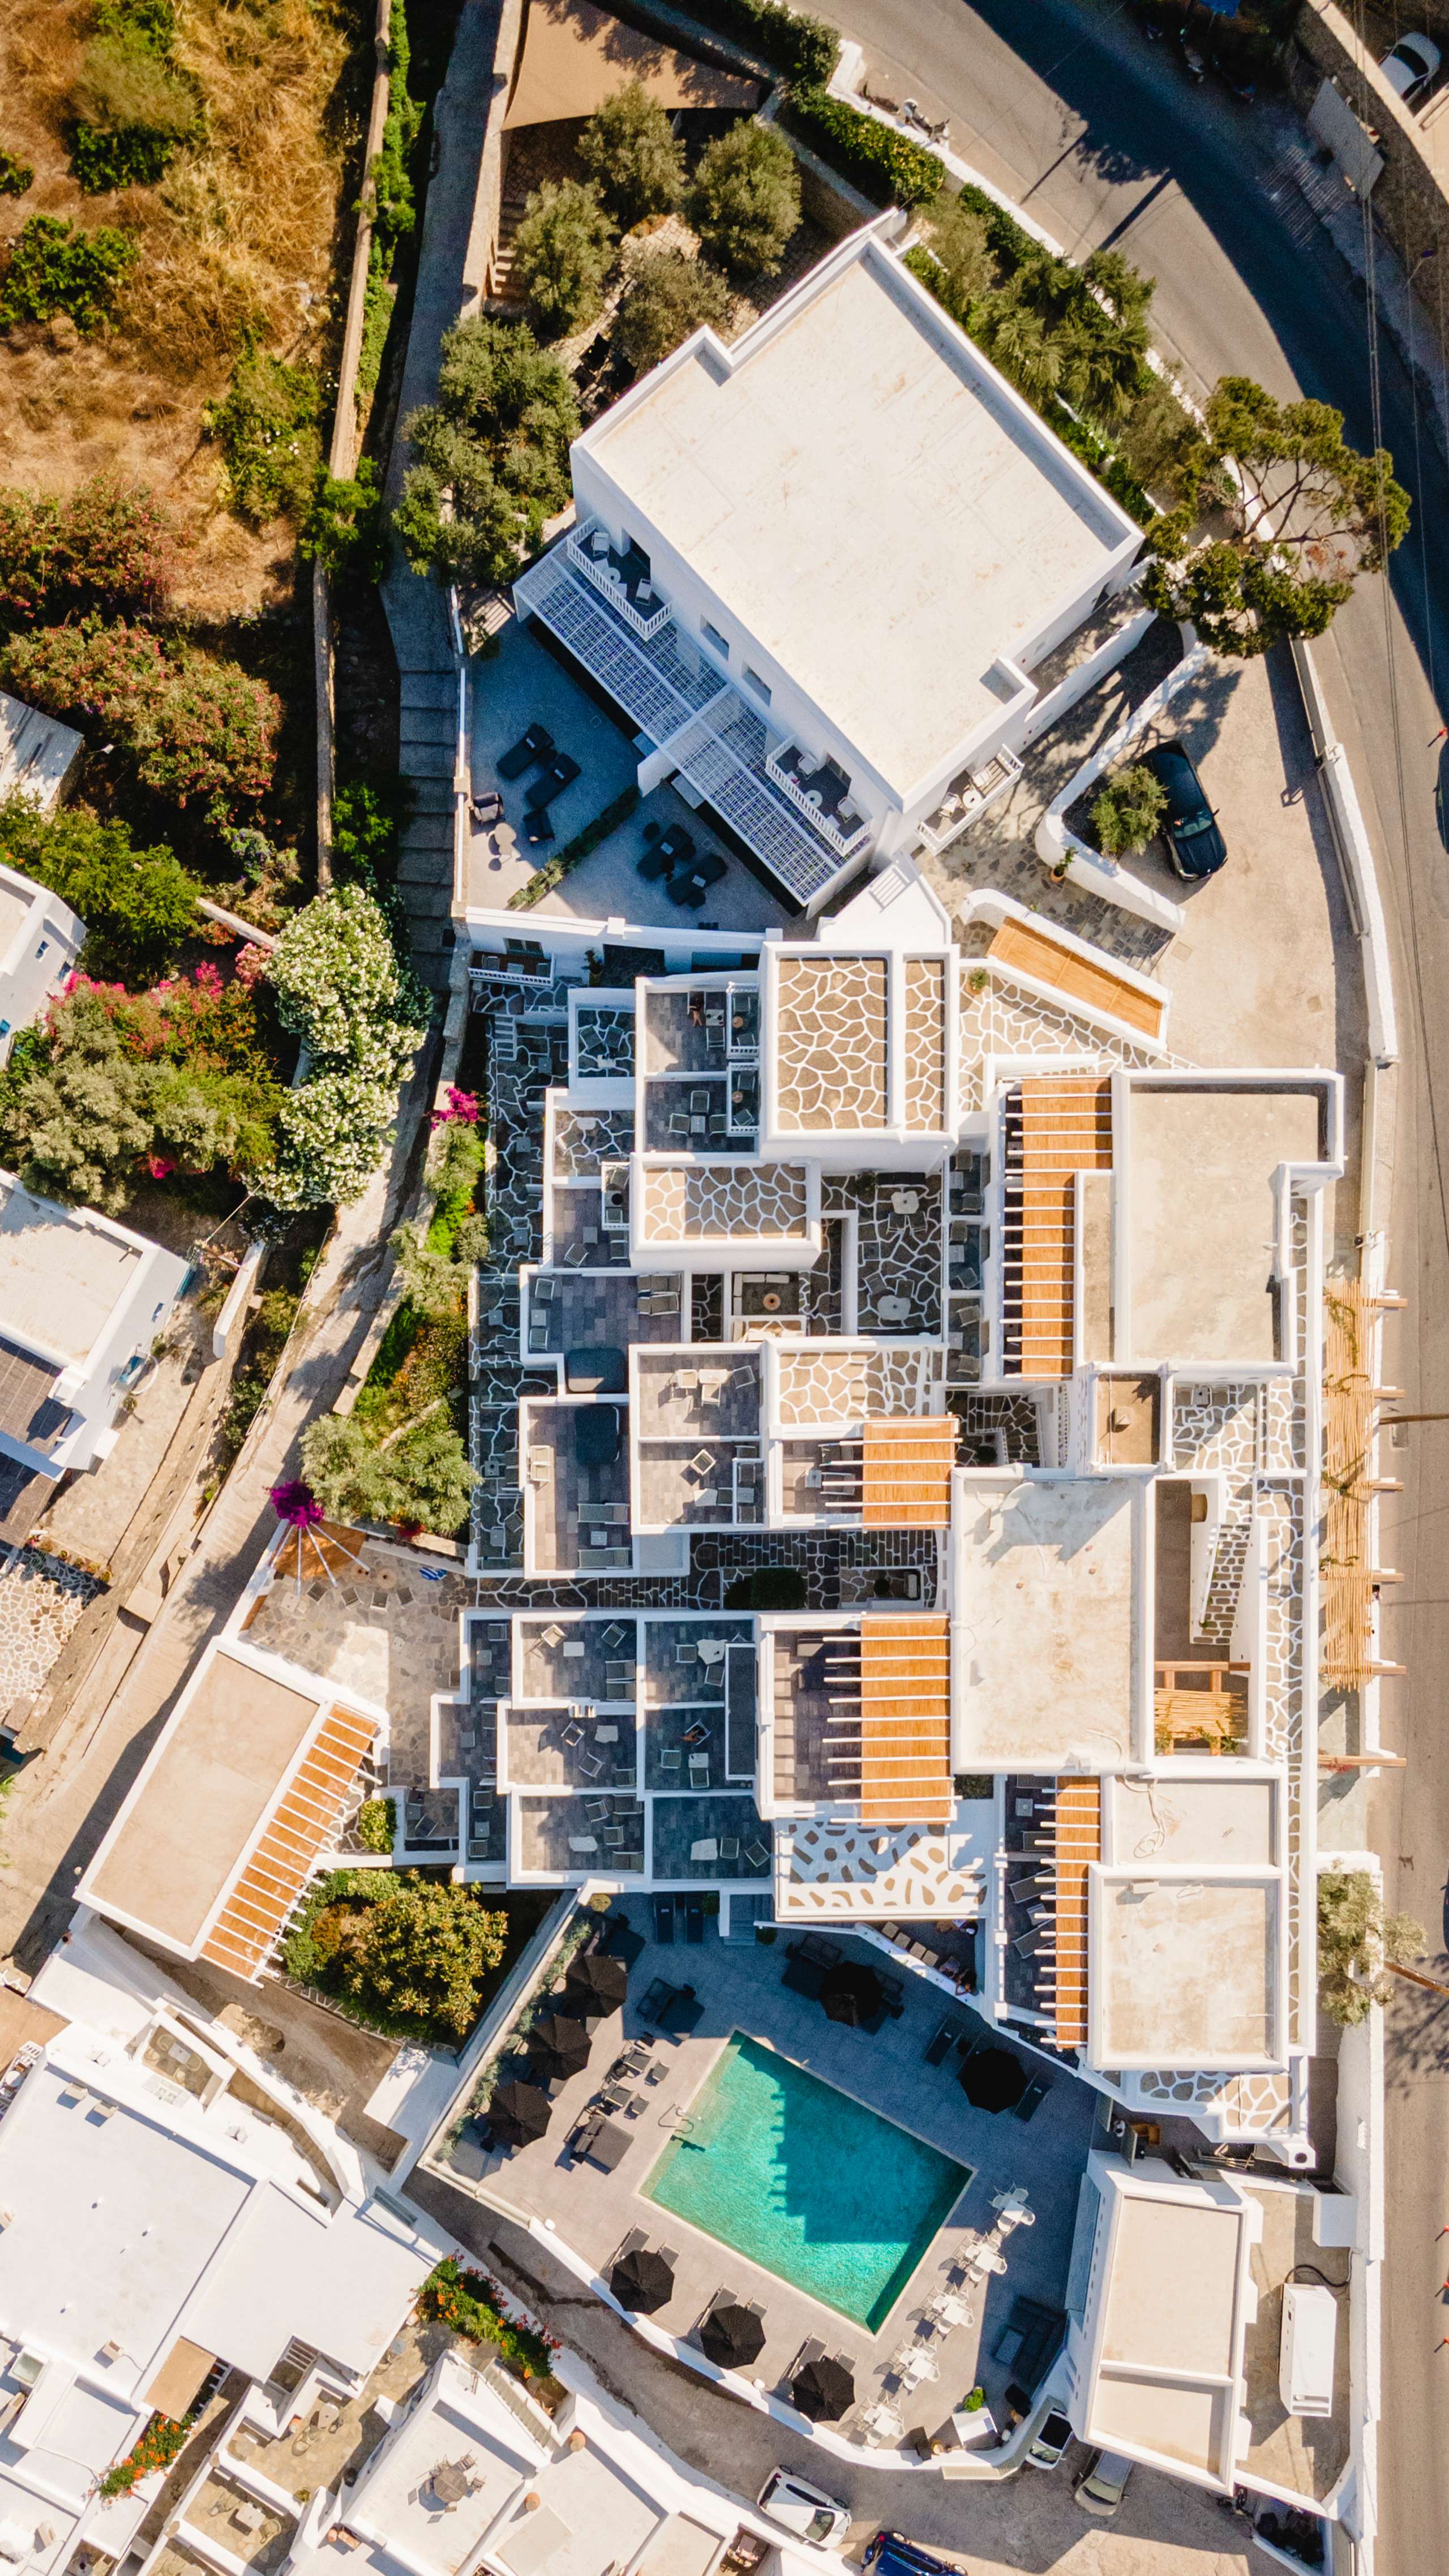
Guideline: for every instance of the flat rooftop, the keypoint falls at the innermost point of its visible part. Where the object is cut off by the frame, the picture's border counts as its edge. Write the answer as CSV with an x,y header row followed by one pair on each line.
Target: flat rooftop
x,y
857,407
1165,2381
1202,1222
62,1274
1185,1971
1047,1585
181,1838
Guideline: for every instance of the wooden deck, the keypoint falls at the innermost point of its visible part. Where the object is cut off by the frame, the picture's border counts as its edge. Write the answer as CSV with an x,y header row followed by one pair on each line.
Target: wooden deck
x,y
905,1720
1078,979
1345,1574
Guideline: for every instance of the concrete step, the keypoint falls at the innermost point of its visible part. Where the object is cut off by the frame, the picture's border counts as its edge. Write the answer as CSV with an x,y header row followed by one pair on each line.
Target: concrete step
x,y
426,903
425,867
430,831
427,724
428,689
426,759
432,795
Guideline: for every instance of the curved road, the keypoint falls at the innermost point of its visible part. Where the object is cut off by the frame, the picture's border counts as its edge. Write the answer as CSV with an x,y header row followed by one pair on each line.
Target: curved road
x,y
1064,105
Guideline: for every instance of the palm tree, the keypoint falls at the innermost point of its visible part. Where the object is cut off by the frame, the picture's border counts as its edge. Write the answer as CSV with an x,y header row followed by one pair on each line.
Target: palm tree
x,y
1019,341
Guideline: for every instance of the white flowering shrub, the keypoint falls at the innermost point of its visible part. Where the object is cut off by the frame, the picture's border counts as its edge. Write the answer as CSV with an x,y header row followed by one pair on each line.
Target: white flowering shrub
x,y
340,989
335,973
333,1135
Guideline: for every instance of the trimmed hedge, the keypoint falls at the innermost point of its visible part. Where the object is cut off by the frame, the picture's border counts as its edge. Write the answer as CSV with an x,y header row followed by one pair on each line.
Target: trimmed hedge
x,y
886,167
554,870
804,49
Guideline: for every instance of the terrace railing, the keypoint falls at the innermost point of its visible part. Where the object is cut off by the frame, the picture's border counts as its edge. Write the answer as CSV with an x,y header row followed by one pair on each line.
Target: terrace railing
x,y
603,571
847,834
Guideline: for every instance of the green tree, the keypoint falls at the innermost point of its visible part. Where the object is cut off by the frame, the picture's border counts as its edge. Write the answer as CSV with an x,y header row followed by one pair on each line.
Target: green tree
x,y
336,976
422,1951
1127,810
345,529
667,297
745,202
492,454
562,252
958,236
1021,342
1360,1948
138,906
1306,515
631,152
422,1477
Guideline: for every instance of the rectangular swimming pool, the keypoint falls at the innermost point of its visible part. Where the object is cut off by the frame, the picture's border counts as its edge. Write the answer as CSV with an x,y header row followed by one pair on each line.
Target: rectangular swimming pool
x,y
807,2182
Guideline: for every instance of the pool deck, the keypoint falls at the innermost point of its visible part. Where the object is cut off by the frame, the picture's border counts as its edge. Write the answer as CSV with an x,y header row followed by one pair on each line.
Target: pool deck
x,y
740,1988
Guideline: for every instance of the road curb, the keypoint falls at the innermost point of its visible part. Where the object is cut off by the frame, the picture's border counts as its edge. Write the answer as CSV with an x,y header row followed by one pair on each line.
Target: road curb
x,y
1356,862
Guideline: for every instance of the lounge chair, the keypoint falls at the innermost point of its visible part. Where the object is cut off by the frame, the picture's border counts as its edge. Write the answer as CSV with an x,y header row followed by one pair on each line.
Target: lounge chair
x,y
552,781
656,862
657,2001
663,1918
486,809
537,743
1031,2101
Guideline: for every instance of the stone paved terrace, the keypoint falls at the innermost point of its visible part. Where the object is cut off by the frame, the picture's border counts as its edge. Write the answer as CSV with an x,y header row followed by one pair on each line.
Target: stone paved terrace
x,y
740,1987
830,1043
316,2451
386,1632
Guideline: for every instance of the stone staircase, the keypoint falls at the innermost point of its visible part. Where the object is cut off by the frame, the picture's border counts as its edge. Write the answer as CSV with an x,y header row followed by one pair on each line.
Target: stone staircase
x,y
429,701
1225,1583
502,288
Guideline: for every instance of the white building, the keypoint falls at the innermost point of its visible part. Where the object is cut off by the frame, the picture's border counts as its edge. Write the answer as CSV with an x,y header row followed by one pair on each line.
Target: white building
x,y
818,570
40,940
169,2208
82,1300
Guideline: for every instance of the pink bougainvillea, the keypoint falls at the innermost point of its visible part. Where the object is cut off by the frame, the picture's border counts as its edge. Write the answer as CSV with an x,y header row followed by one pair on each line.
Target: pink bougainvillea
x,y
461,1106
296,1504
251,966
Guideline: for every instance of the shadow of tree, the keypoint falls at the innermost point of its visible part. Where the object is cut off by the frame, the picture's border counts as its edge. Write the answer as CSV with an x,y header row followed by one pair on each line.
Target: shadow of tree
x,y
1416,2024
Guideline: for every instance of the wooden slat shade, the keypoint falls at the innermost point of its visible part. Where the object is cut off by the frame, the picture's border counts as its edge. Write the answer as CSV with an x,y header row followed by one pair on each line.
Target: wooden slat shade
x,y
1066,1128
1078,1844
906,1472
305,1820
905,1721
1025,944
1343,1558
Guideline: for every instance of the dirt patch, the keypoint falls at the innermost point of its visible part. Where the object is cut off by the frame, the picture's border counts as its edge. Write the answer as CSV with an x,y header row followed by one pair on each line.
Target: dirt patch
x,y
241,233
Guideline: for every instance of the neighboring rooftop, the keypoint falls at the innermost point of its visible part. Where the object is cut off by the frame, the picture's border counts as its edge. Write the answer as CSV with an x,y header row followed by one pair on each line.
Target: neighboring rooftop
x,y
1046,1602
63,1272
1203,1225
858,406
1186,1970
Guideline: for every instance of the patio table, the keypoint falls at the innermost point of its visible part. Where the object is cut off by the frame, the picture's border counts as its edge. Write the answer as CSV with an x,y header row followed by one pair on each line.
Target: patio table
x,y
974,2427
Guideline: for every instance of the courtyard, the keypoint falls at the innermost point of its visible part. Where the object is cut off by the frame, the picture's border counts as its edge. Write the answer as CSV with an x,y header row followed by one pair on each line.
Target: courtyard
x,y
854,2241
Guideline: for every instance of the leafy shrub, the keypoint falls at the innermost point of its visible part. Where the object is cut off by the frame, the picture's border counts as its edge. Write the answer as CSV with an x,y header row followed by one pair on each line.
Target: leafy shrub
x,y
494,448
192,725
332,1135
961,241
411,1954
886,167
667,297
562,251
745,202
368,815
473,2306
137,905
805,49
1127,810
15,176
133,108
156,2449
128,1083
266,428
377,1824
336,977
55,268
99,548
631,152
1359,1946
390,200
346,524
423,1480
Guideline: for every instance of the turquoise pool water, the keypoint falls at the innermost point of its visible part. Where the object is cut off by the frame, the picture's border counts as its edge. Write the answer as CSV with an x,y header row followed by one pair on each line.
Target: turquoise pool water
x,y
807,2182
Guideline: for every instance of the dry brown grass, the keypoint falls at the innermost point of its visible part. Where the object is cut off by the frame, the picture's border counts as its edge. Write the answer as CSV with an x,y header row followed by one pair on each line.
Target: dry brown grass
x,y
241,233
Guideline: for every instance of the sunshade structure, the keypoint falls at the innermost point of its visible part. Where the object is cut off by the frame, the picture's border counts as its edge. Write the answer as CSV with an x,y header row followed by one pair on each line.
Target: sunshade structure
x,y
574,56
599,1983
993,2079
852,1994
641,2280
561,2043
517,2114
823,2390
732,2335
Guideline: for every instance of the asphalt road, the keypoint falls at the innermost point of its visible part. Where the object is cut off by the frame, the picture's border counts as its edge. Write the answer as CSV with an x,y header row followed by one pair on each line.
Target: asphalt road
x,y
1064,105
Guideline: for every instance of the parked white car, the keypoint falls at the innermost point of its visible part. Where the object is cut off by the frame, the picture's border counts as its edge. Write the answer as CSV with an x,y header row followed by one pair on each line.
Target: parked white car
x,y
1411,65
1103,2483
803,2509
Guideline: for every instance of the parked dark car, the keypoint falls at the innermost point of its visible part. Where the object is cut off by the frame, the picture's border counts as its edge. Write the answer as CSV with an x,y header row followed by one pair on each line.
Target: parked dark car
x,y
1194,844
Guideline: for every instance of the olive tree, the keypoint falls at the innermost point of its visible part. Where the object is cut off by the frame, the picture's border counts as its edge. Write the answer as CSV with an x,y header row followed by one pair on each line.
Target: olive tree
x,y
631,153
745,202
668,296
562,252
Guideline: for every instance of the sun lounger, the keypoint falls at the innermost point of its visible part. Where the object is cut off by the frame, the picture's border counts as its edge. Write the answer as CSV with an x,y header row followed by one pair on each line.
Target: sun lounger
x,y
537,743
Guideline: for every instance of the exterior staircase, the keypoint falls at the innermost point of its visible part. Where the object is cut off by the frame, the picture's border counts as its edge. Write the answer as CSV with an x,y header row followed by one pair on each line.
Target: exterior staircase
x,y
1225,1583
502,287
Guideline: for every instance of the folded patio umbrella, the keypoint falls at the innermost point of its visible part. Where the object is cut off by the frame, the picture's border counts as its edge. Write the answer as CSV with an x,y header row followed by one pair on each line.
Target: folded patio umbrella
x,y
993,2079
642,2280
852,1994
823,2390
518,2113
562,2044
732,2335
604,1980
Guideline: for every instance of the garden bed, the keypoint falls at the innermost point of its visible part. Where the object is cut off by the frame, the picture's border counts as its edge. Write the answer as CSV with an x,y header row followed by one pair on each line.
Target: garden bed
x,y
444,1955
